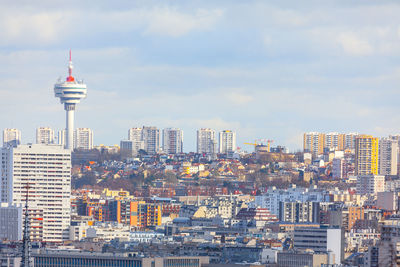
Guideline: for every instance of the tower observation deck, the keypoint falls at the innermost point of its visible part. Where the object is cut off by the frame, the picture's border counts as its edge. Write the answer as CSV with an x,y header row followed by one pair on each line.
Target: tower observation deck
x,y
70,93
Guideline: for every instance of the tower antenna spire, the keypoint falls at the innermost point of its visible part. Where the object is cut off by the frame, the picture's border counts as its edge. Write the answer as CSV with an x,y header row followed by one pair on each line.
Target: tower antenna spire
x,y
70,67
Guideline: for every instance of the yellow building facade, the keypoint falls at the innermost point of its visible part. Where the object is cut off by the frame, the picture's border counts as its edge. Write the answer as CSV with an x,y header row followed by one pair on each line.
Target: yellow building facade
x,y
367,155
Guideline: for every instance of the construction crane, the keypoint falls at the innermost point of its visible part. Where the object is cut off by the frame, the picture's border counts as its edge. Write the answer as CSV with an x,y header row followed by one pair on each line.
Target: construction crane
x,y
260,142
252,144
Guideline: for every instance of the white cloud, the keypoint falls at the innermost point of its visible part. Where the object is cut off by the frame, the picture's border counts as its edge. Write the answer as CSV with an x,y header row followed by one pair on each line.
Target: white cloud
x,y
28,26
238,98
354,45
171,22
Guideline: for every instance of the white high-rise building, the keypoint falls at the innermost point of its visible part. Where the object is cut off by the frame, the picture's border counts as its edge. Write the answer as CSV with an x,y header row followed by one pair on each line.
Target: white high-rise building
x,y
83,138
44,135
172,141
335,141
136,136
11,137
350,141
321,239
151,139
44,173
388,153
61,138
206,141
227,141
370,184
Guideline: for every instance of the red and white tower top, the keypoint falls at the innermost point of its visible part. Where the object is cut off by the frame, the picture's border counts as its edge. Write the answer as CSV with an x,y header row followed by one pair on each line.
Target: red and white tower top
x,y
70,67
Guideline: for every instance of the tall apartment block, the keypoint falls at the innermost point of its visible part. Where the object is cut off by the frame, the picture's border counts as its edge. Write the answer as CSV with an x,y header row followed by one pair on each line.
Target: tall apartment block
x,y
367,157
388,156
172,141
335,141
350,141
11,137
206,141
151,139
136,136
314,143
83,138
44,135
61,135
227,141
44,173
299,212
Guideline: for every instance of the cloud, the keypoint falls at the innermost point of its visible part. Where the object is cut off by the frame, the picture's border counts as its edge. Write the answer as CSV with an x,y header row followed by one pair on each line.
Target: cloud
x,y
239,98
35,26
42,27
354,46
171,22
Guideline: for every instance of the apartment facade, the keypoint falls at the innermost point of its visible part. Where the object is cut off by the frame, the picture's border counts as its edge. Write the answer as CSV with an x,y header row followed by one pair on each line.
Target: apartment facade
x,y
227,141
43,172
151,139
314,143
83,138
366,155
206,141
370,184
44,135
172,141
388,156
11,137
136,136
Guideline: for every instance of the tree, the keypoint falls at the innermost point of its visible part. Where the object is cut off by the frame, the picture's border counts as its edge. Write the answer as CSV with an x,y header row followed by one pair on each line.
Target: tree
x,y
88,179
170,177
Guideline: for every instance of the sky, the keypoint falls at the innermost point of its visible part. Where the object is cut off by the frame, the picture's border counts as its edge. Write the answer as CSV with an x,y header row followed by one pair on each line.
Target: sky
x,y
265,69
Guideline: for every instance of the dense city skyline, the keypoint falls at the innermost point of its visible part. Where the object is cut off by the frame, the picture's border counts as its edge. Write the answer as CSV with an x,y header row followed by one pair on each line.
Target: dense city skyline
x,y
222,65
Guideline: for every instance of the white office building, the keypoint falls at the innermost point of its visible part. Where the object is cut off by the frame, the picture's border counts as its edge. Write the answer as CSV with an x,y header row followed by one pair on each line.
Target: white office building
x,y
321,240
206,141
83,138
172,141
44,135
388,155
44,173
11,137
10,222
370,184
227,141
136,136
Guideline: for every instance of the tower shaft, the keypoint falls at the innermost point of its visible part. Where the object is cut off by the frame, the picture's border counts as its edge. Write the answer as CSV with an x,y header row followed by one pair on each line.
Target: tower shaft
x,y
69,138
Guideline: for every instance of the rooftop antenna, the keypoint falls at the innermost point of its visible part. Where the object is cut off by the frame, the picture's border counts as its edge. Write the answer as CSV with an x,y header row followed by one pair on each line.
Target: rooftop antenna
x,y
26,241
